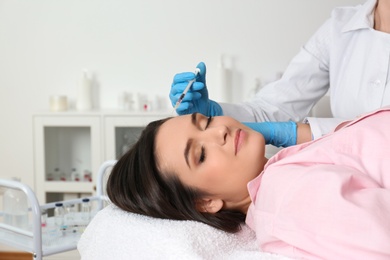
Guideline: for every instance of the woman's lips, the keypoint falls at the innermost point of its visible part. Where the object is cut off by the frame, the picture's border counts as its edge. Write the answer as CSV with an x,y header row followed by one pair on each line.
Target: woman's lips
x,y
239,140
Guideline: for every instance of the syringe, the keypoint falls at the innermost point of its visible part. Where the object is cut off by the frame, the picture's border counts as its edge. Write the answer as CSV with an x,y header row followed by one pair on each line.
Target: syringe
x,y
197,70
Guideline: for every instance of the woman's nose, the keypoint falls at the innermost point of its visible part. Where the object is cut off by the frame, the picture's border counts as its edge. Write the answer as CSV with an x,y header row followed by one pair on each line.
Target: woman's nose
x,y
217,134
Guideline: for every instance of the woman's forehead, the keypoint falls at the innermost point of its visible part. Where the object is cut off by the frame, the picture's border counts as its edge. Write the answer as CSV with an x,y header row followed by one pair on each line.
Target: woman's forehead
x,y
173,130
175,124
170,141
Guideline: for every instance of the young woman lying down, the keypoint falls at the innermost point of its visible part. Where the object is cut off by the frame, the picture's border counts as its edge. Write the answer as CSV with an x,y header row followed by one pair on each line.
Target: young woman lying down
x,y
328,198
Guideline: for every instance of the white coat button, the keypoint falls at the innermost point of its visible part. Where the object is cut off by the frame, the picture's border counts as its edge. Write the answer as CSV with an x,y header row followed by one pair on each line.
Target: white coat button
x,y
376,83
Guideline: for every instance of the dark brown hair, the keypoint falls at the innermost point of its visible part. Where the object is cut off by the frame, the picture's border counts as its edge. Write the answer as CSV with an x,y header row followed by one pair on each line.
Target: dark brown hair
x,y
136,185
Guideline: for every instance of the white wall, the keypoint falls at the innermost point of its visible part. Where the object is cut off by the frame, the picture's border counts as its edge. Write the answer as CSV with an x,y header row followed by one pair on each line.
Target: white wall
x,y
135,45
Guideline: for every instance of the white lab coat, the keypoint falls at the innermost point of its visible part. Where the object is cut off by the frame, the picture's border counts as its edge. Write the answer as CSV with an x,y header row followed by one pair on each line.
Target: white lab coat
x,y
345,56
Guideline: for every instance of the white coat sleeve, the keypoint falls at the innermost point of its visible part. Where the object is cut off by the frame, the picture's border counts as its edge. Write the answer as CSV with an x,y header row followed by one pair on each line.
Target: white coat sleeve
x,y
322,126
302,85
292,97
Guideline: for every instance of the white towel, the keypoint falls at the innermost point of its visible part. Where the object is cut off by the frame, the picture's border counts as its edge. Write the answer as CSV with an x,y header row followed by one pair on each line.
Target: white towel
x,y
116,234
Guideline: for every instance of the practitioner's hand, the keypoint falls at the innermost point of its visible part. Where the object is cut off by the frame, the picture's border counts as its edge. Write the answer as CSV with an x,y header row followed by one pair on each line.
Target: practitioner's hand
x,y
276,133
197,98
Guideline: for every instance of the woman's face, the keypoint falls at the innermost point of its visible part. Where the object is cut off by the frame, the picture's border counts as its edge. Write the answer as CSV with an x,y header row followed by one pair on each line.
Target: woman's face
x,y
217,155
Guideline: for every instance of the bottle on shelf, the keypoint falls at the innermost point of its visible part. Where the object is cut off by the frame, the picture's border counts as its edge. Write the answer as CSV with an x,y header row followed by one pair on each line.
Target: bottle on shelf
x,y
85,214
51,227
62,176
85,210
44,224
15,207
75,175
84,100
87,176
70,213
43,218
50,176
59,215
56,174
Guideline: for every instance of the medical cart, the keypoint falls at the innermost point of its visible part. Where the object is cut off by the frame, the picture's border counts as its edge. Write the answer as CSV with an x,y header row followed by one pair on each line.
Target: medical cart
x,y
31,240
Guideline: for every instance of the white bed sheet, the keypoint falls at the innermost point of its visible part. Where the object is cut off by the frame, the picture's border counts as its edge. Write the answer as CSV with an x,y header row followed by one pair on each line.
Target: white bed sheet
x,y
116,234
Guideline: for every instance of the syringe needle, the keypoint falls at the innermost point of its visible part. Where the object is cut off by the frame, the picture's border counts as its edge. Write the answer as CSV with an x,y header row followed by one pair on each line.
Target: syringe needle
x,y
197,70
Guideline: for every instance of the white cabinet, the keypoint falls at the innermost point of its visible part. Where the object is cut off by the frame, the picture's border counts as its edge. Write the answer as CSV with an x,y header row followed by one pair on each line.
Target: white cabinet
x,y
64,143
70,145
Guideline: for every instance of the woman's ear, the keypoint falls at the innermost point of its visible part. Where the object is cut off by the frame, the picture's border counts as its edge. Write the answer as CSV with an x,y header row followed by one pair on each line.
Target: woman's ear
x,y
209,205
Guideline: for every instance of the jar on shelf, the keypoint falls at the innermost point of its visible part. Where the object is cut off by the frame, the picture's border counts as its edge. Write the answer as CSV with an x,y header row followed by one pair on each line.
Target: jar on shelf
x,y
75,175
87,176
63,176
85,210
51,231
70,213
15,205
59,215
57,174
50,176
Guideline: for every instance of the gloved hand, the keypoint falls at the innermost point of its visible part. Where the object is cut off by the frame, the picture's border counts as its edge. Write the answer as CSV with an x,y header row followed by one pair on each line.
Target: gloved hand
x,y
197,98
276,133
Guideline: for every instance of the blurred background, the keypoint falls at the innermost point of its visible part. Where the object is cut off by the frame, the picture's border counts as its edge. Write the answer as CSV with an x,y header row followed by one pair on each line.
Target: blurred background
x,y
136,46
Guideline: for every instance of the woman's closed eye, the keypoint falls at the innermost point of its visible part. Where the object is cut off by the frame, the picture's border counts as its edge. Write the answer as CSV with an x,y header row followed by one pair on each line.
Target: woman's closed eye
x,y
202,156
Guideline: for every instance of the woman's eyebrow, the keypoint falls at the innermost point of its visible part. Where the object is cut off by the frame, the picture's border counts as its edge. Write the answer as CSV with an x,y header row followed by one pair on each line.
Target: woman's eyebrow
x,y
187,150
189,142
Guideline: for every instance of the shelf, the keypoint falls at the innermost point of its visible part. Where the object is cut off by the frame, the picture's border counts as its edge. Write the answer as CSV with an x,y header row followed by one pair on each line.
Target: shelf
x,y
9,238
68,187
25,243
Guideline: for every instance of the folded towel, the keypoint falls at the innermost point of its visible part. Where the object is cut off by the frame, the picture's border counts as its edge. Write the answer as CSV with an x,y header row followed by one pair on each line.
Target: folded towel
x,y
116,234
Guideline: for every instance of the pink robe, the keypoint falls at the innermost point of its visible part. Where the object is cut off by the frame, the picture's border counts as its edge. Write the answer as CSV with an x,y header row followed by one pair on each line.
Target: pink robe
x,y
329,198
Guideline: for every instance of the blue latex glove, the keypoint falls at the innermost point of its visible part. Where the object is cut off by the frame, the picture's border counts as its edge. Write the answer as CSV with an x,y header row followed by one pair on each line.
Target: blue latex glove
x,y
197,98
276,133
